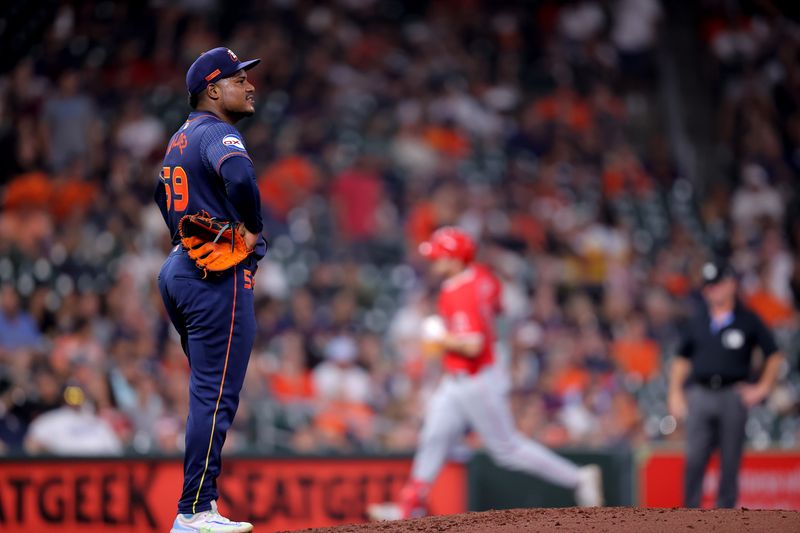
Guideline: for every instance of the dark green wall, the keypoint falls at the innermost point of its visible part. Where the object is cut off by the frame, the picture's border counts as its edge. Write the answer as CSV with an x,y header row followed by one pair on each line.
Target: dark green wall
x,y
492,487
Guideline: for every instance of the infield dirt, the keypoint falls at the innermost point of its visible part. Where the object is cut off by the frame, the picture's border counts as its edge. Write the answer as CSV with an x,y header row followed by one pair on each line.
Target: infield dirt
x,y
600,520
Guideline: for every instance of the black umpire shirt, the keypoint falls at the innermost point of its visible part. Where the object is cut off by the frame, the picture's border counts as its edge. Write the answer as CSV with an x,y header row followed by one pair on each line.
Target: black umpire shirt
x,y
721,353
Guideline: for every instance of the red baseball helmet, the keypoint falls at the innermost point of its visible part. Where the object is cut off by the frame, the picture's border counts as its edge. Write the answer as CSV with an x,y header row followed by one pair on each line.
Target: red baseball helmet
x,y
448,242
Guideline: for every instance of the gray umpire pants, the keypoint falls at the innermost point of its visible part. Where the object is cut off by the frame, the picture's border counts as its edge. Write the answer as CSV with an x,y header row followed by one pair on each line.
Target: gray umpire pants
x,y
716,418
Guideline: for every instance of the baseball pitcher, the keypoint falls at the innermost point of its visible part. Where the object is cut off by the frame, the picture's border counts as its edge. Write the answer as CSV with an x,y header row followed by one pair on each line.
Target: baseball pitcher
x,y
208,197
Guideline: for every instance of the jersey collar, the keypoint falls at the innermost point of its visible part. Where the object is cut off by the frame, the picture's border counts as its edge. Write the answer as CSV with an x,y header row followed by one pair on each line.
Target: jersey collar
x,y
459,279
198,114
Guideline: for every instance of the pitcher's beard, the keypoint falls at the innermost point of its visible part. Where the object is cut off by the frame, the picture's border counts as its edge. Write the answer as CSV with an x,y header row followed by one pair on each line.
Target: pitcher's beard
x,y
236,116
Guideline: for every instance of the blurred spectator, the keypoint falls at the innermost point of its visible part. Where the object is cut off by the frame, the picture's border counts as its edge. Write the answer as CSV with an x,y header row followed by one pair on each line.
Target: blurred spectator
x,y
636,354
343,392
338,377
68,124
356,196
286,184
291,381
22,403
17,328
634,34
72,429
78,346
774,311
755,199
581,21
439,208
138,133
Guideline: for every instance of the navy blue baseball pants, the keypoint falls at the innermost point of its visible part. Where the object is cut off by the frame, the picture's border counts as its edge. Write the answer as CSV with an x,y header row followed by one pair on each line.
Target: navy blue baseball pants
x,y
216,322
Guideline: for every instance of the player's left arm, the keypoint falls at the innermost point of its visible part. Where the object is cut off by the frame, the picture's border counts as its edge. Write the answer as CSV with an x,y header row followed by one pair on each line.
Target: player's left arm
x,y
757,392
772,370
223,150
240,183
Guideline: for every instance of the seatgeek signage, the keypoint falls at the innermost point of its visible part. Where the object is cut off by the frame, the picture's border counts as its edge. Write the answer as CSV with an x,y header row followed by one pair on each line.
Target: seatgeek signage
x,y
132,495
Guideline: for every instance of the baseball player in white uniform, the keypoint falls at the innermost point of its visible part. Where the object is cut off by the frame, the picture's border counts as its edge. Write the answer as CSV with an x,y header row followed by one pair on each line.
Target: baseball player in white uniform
x,y
473,390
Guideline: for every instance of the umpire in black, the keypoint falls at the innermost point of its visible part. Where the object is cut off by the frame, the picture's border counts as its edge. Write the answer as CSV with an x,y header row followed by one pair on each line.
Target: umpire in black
x,y
710,382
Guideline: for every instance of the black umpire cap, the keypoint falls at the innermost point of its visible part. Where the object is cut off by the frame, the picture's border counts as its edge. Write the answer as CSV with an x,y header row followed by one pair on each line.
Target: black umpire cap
x,y
715,271
214,65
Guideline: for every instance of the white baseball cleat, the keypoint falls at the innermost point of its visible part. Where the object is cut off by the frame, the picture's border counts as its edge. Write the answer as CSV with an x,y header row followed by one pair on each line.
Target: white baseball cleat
x,y
589,492
208,522
384,512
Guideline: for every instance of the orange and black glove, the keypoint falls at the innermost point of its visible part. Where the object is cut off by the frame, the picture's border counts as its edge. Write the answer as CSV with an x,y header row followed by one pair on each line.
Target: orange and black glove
x,y
215,245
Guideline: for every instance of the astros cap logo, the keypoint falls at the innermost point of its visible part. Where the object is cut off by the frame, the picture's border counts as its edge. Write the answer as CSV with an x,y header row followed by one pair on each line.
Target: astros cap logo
x,y
233,56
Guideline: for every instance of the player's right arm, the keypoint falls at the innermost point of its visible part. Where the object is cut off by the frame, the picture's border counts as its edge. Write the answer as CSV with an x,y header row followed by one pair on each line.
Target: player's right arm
x,y
250,239
464,329
160,196
435,332
466,344
678,374
467,334
676,399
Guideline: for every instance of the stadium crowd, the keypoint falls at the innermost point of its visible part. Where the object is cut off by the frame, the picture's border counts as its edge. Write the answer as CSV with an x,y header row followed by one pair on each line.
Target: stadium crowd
x,y
535,127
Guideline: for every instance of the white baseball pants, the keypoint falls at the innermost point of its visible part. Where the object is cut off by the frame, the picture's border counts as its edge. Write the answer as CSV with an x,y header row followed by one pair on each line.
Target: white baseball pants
x,y
479,401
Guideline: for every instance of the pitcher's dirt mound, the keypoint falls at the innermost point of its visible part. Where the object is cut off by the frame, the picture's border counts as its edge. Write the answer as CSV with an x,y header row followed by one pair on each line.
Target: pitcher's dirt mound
x,y
603,520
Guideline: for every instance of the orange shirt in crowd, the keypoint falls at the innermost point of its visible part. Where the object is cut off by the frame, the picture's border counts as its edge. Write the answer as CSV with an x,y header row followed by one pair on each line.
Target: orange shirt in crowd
x,y
447,141
625,178
567,107
573,379
73,347
337,418
675,283
71,196
287,388
771,309
637,356
286,183
33,189
421,223
38,190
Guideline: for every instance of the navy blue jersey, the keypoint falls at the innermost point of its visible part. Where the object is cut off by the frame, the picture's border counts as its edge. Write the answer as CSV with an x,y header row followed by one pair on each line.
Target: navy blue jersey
x,y
191,178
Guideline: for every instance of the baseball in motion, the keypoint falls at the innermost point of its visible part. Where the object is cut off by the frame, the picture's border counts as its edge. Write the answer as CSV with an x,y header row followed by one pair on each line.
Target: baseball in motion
x,y
432,334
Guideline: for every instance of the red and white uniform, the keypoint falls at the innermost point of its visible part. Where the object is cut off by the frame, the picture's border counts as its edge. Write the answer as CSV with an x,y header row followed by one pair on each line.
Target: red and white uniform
x,y
468,304
473,394
473,390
